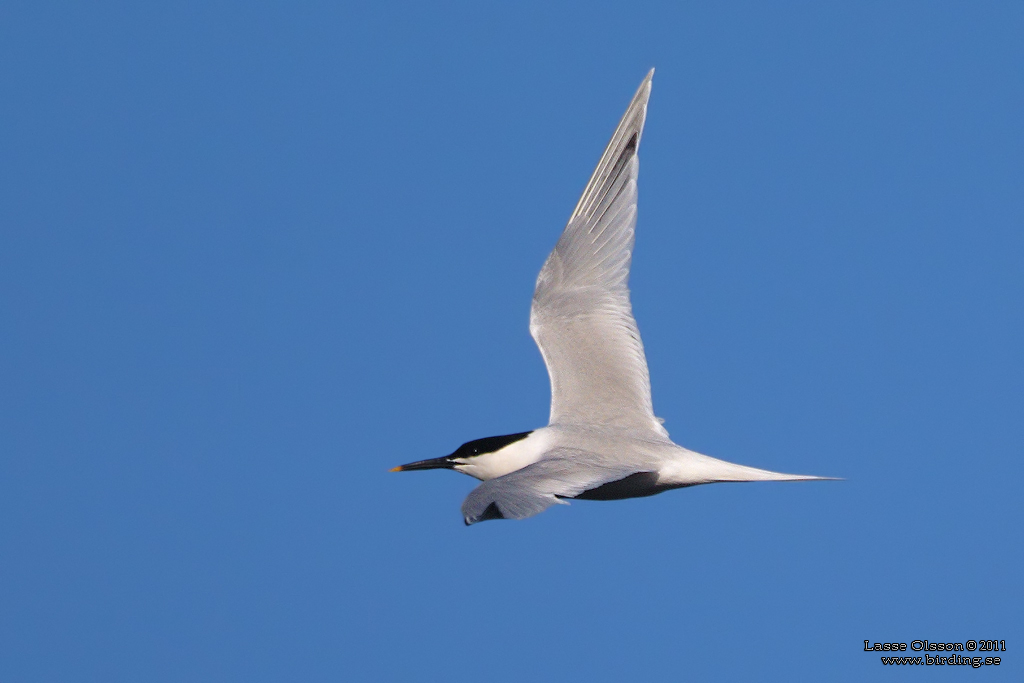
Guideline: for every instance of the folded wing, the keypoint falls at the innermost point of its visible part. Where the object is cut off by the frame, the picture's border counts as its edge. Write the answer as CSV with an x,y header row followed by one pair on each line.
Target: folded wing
x,y
581,316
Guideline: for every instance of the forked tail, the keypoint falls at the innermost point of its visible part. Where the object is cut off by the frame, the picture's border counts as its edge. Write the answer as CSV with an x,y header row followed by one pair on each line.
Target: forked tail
x,y
697,468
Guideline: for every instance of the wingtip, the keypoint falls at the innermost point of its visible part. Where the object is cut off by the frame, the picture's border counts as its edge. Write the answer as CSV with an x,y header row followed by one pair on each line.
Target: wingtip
x,y
648,82
645,85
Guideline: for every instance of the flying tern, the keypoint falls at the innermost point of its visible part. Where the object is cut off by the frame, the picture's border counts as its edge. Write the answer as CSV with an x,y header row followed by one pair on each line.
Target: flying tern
x,y
602,441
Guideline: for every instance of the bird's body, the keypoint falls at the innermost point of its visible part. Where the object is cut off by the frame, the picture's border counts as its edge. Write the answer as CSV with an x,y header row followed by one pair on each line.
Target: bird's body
x,y
603,441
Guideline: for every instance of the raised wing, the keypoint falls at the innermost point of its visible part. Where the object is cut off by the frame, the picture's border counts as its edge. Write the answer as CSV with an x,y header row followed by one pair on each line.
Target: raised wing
x,y
581,316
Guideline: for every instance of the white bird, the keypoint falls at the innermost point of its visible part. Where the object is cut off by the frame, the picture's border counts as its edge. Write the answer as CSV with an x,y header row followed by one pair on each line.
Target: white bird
x,y
602,441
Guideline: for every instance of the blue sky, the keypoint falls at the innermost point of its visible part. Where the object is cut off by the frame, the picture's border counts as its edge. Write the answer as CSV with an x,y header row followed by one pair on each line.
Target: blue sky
x,y
254,254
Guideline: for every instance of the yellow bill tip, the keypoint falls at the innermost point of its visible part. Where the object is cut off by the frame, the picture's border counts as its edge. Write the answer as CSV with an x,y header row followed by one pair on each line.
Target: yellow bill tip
x,y
396,469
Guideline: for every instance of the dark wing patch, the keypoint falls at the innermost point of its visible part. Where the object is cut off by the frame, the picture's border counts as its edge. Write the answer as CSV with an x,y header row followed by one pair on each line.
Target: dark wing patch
x,y
636,485
490,512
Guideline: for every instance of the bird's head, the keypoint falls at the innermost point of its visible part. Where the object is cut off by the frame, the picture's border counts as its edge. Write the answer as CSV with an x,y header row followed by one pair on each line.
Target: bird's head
x,y
466,457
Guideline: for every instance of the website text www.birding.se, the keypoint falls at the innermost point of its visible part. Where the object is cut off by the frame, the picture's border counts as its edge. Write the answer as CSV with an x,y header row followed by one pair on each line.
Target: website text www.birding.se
x,y
939,654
